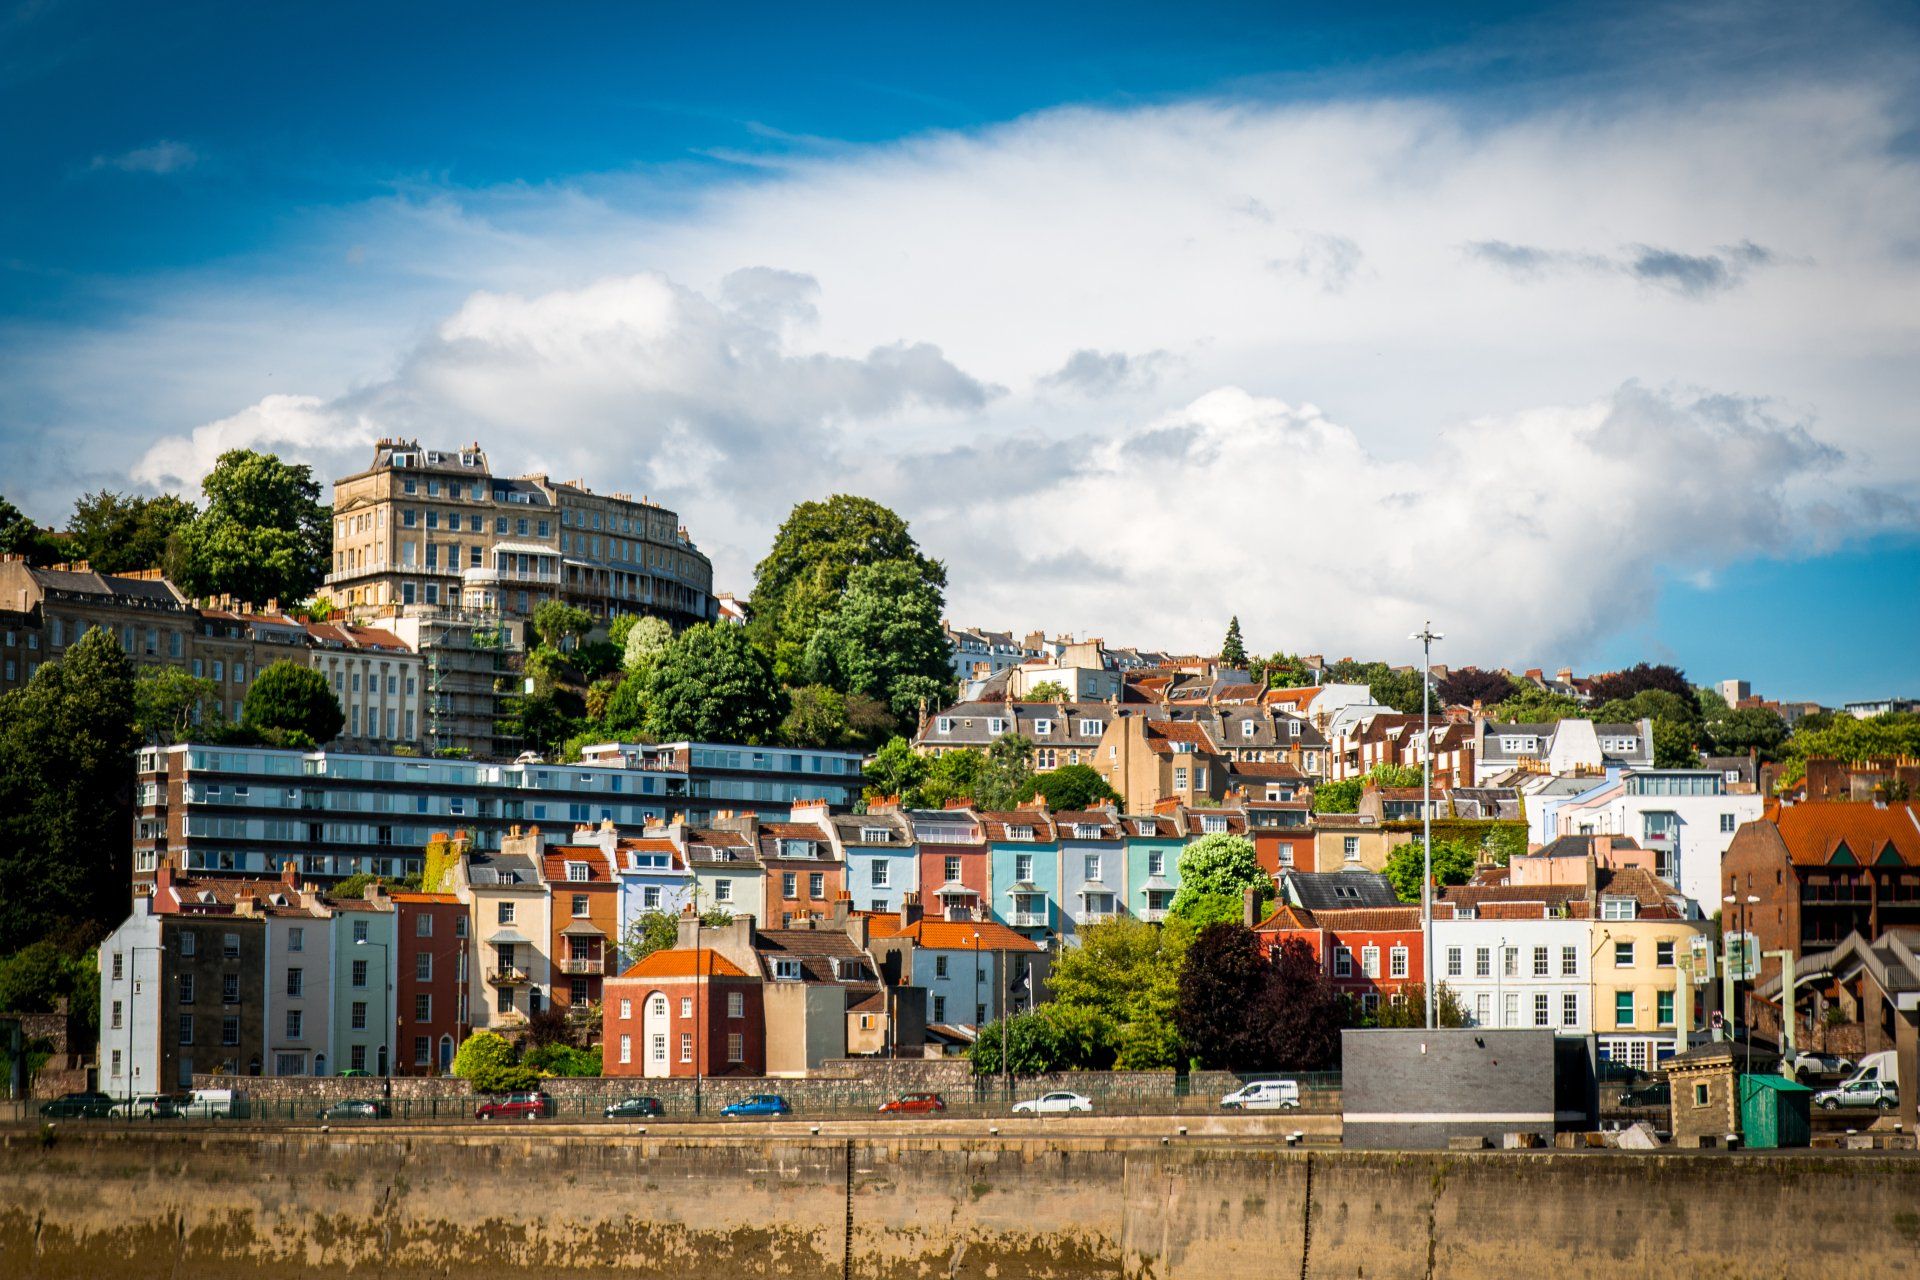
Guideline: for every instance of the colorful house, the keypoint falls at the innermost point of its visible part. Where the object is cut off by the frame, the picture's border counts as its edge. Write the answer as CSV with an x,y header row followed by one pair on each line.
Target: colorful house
x,y
1025,851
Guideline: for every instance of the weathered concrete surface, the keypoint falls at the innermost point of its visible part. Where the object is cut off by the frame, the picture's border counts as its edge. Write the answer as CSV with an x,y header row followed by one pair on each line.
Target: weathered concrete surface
x,y
524,1203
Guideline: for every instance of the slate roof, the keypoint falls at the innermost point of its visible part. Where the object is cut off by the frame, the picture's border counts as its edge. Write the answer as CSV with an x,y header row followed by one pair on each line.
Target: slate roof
x,y
815,949
1318,890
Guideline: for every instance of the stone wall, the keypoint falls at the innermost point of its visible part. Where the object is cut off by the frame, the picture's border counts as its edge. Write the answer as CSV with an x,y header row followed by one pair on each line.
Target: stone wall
x,y
522,1203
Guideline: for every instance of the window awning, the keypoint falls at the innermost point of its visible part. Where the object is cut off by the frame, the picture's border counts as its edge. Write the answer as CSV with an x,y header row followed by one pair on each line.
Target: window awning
x,y
510,938
582,929
954,889
1158,884
1021,887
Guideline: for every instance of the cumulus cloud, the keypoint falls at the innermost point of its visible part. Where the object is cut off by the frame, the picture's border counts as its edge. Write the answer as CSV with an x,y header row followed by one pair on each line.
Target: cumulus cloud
x,y
162,157
1083,353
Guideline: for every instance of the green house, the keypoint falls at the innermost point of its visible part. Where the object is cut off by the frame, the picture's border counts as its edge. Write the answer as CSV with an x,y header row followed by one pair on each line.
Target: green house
x,y
1775,1112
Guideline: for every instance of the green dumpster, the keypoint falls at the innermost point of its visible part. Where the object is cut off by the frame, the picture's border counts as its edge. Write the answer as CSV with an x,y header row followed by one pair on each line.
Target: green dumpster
x,y
1775,1112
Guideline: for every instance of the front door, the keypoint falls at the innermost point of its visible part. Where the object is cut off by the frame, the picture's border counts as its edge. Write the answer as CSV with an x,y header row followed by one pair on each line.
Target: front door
x,y
655,1026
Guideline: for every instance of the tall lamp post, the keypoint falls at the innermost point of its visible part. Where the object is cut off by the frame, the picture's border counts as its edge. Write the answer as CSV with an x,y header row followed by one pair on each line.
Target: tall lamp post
x,y
1426,636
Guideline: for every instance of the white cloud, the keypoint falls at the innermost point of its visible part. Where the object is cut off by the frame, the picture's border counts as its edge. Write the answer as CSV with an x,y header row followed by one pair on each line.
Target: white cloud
x,y
1080,351
162,157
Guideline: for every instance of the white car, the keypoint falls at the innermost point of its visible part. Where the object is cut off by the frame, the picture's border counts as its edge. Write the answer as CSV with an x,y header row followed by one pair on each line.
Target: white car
x,y
1058,1103
1264,1095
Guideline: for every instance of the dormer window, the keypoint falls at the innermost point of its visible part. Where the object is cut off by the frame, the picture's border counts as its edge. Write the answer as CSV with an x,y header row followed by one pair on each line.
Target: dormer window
x,y
1019,833
1183,748
1085,831
786,970
1091,728
1293,728
1213,825
996,726
1143,828
796,848
875,835
1619,908
577,871
1042,728
1246,728
943,725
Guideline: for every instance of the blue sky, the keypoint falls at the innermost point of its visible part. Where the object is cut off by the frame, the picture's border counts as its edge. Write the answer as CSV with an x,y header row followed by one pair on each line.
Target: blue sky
x,y
1589,331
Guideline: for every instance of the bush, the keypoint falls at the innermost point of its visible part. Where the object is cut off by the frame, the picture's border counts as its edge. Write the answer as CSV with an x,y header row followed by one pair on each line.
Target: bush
x,y
563,1060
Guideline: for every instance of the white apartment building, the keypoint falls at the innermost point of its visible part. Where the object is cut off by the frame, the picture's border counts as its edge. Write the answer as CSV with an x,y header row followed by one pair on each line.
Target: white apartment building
x,y
1686,816
1518,973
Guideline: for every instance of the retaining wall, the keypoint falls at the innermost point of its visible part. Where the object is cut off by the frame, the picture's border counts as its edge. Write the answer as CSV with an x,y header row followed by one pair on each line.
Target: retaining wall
x,y
524,1204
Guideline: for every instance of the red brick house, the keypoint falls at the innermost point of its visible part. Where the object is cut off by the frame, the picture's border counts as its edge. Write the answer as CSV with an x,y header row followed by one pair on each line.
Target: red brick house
x,y
682,1012
431,976
1371,954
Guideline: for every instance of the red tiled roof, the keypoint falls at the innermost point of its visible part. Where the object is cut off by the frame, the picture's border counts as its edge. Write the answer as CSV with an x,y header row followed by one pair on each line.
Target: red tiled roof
x,y
794,831
1286,917
1815,830
1277,770
1370,919
554,864
676,963
958,935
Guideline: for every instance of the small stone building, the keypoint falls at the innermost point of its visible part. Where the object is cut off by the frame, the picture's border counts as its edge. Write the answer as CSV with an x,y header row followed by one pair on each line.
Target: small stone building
x,y
1706,1091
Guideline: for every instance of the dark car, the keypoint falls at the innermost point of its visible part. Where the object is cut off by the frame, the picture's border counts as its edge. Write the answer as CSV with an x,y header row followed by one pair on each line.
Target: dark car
x,y
1652,1093
760,1104
635,1109
515,1106
356,1109
914,1104
84,1105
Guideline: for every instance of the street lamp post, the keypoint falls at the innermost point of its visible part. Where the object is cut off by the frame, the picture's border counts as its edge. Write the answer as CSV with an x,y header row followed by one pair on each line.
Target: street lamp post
x,y
1426,636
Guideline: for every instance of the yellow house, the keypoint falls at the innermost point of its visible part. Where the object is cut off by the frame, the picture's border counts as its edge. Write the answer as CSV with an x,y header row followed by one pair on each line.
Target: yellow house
x,y
1644,1000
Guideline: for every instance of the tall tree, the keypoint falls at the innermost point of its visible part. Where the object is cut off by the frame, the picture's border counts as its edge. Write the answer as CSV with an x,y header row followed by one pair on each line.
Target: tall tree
x,y
1215,873
884,638
1233,650
1641,676
1736,732
1127,973
1006,774
263,535
20,536
806,570
1074,786
66,784
1299,1013
816,717
168,703
1225,975
119,532
1453,863
896,770
1537,706
293,704
645,639
558,623
711,684
1469,685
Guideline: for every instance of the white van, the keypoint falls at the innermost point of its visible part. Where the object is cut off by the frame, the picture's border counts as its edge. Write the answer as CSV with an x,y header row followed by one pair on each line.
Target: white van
x,y
1264,1095
208,1104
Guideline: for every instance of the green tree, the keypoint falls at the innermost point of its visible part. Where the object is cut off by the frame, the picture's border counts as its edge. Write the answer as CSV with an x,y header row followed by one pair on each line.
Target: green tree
x,y
1533,705
952,775
896,770
66,783
1073,787
1052,1038
1397,689
884,638
263,534
645,641
20,536
1453,863
289,699
558,623
168,703
1673,745
1233,650
1006,773
1411,1009
1735,733
1127,974
1641,677
625,714
647,933
816,717
33,978
713,685
118,532
1469,685
1282,671
486,1061
1215,873
1342,796
1048,691
814,553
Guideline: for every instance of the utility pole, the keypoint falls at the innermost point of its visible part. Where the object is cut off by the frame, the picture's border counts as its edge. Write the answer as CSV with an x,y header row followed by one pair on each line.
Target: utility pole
x,y
1789,1013
1426,636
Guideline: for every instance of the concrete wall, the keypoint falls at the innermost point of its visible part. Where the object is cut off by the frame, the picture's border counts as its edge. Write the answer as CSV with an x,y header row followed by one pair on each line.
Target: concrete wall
x,y
515,1204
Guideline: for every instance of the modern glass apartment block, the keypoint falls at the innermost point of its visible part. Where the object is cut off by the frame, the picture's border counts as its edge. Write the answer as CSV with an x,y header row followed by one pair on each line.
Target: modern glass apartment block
x,y
436,529
247,811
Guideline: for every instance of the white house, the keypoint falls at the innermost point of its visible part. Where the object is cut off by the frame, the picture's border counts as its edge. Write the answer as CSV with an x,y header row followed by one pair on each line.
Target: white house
x,y
1687,816
1518,973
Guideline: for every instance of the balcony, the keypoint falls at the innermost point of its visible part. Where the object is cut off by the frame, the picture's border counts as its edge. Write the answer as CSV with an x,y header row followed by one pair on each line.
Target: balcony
x,y
511,577
583,968
1154,915
1027,919
511,976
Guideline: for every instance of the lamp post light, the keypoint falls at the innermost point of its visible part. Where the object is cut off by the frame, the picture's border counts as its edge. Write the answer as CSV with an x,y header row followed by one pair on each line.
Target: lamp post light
x,y
1426,636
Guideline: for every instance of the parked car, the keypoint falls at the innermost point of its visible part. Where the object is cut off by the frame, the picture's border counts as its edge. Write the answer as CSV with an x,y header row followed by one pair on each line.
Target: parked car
x,y
206,1104
1822,1064
760,1104
356,1109
1057,1103
86,1105
1264,1095
515,1106
354,1073
1654,1093
1859,1093
635,1109
914,1104
148,1106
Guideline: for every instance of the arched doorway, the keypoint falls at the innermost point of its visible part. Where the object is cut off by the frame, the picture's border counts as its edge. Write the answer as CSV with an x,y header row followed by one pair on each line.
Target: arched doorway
x,y
654,1029
319,1064
446,1053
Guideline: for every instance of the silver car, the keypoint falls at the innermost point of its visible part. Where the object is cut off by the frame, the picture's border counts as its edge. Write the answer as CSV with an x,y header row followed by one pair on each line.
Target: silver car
x,y
1057,1103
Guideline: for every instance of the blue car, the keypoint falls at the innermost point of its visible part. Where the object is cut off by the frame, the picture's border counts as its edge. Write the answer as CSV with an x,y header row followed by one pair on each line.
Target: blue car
x,y
760,1104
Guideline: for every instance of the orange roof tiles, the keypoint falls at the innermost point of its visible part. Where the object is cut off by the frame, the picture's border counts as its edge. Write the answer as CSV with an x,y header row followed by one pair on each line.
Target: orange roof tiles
x,y
958,935
1815,830
676,963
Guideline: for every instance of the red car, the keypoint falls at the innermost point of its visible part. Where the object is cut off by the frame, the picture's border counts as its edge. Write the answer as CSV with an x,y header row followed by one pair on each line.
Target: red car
x,y
515,1106
914,1104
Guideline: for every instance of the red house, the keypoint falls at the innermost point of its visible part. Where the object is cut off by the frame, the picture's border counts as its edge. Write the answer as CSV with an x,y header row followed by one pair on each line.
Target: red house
x,y
953,861
431,976
684,1012
1370,953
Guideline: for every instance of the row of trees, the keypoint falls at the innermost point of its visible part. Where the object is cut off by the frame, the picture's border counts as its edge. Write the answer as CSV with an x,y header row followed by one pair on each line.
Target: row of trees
x,y
846,643
999,777
261,532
